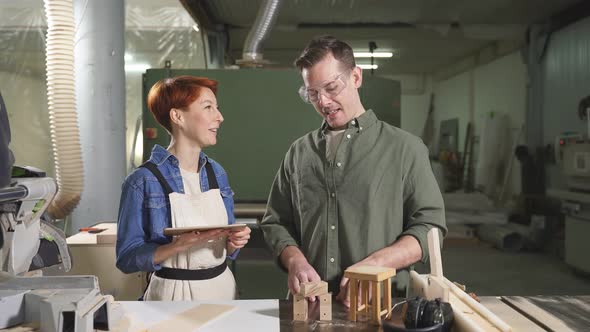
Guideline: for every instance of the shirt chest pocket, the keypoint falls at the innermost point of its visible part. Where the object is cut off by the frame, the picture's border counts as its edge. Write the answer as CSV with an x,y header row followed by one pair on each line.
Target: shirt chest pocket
x,y
309,192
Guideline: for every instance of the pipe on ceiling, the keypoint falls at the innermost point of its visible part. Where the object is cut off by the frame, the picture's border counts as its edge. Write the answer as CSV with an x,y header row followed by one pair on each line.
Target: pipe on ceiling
x,y
267,15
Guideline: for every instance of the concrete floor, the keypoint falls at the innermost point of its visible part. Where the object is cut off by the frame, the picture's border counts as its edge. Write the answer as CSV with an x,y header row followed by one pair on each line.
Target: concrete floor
x,y
482,268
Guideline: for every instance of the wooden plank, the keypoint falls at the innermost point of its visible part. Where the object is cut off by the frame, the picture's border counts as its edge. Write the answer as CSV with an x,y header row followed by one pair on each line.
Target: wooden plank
x,y
313,288
299,308
537,314
478,307
371,273
466,319
512,317
434,252
326,306
193,318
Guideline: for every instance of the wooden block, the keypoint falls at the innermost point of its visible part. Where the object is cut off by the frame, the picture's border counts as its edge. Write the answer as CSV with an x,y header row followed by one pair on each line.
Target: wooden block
x,y
438,289
326,306
299,308
371,273
313,288
108,236
428,287
434,252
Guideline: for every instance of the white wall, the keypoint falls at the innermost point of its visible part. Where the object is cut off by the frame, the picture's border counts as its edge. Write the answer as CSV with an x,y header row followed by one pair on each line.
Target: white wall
x,y
26,102
451,100
498,86
415,101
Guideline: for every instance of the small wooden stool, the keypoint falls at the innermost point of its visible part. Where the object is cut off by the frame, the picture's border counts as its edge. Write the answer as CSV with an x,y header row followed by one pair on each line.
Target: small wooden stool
x,y
373,276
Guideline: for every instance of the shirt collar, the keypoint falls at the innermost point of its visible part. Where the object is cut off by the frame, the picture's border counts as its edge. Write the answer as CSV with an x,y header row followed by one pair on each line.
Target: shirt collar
x,y
160,155
359,123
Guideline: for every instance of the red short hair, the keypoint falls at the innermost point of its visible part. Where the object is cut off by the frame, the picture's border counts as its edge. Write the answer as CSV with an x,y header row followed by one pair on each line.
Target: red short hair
x,y
177,92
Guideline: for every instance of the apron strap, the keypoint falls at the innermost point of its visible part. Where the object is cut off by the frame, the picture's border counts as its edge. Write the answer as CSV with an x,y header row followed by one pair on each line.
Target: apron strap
x,y
154,169
183,274
211,178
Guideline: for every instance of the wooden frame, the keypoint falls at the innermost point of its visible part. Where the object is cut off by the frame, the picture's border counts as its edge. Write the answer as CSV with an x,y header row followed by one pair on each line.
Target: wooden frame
x,y
368,279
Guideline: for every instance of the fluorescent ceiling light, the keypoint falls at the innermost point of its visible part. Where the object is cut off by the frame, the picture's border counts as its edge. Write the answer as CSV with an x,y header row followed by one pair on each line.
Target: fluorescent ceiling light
x,y
196,27
137,67
367,66
373,55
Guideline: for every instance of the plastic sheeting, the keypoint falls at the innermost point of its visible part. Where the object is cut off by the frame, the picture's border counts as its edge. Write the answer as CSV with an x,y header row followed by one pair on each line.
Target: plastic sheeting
x,y
156,32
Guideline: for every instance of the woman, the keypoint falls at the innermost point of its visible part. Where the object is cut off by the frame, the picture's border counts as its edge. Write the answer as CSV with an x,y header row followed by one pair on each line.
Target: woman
x,y
181,187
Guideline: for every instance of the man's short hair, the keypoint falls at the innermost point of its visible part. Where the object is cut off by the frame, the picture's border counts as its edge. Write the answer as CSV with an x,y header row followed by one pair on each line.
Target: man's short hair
x,y
321,46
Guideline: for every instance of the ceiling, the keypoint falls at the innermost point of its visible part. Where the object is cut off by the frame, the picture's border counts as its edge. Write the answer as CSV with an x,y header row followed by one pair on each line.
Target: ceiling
x,y
427,35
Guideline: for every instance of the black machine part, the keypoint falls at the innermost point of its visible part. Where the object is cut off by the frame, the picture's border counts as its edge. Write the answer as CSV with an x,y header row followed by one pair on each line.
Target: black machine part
x,y
424,314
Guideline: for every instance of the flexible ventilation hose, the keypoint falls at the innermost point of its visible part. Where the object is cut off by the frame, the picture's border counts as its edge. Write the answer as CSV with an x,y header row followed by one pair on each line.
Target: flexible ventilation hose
x,y
265,19
61,95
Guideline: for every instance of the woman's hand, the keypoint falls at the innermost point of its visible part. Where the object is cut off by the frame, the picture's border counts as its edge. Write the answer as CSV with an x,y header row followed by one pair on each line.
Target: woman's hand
x,y
185,241
237,238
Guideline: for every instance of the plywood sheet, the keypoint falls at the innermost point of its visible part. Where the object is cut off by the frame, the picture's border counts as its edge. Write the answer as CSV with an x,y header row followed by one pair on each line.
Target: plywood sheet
x,y
193,318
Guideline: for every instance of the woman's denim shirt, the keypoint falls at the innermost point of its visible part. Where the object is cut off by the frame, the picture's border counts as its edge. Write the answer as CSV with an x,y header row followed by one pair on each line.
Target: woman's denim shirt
x,y
144,210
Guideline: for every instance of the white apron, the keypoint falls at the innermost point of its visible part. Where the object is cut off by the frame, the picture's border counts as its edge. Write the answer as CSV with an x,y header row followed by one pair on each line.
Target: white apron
x,y
189,210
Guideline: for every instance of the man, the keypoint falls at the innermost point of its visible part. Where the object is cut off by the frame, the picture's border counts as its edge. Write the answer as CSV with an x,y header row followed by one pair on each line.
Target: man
x,y
357,191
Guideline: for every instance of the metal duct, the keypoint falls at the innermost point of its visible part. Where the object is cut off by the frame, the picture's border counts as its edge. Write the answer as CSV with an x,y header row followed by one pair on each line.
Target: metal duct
x,y
61,96
265,19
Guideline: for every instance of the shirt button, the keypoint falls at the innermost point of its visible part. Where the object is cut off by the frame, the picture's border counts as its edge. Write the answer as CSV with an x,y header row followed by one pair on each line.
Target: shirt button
x,y
361,128
348,136
333,194
353,122
339,164
332,260
333,227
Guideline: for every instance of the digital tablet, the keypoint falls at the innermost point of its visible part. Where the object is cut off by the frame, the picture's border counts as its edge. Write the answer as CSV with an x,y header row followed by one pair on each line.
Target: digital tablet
x,y
182,230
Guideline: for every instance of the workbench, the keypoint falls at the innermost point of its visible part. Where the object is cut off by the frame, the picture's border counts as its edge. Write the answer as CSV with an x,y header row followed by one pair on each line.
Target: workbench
x,y
546,313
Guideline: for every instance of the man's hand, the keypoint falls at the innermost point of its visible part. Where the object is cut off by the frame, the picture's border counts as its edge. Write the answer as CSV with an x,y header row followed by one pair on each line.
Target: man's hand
x,y
238,238
344,295
299,270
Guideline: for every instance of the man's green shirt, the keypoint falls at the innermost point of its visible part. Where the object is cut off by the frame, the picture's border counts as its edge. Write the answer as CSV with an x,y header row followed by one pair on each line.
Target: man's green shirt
x,y
379,187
